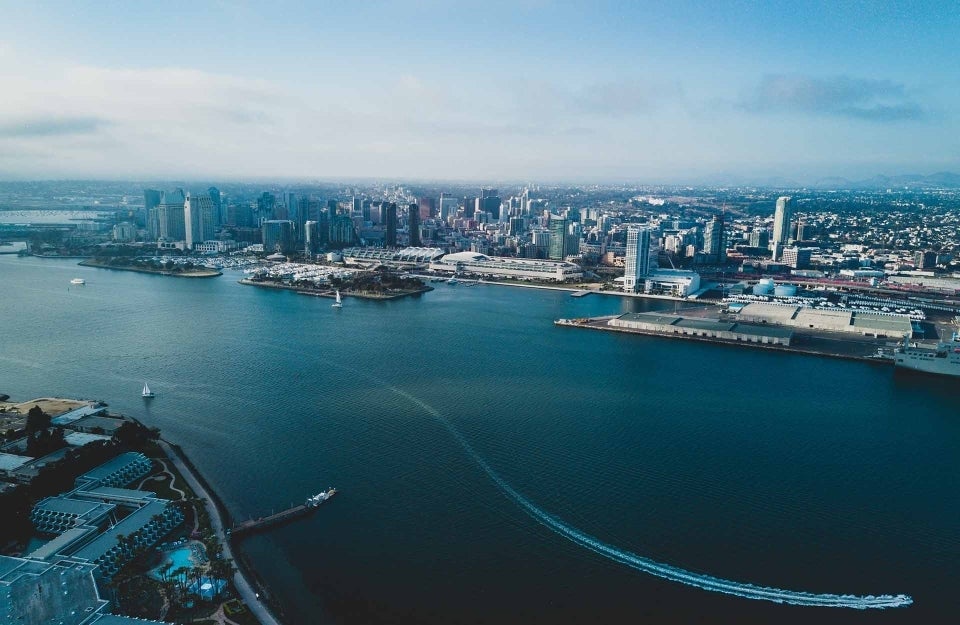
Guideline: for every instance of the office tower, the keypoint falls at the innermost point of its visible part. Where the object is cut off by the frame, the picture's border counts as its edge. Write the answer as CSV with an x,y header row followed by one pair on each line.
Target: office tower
x,y
714,240
759,237
558,238
278,236
170,216
310,243
199,219
342,232
516,227
925,259
220,211
490,202
357,207
428,208
333,207
641,258
797,257
365,210
781,225
390,220
413,224
266,204
448,206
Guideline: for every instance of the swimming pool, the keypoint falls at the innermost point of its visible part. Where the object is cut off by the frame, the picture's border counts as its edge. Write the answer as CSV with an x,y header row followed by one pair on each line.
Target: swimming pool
x,y
180,557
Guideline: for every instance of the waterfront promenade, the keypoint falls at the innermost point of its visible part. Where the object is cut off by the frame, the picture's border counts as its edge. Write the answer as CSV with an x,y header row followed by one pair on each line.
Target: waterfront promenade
x,y
240,582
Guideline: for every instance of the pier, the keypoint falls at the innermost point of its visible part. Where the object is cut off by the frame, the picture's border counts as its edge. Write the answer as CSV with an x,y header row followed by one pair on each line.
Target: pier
x,y
251,526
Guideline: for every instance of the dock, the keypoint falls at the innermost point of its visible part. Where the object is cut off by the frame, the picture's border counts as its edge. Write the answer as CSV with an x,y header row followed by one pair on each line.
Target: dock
x,y
251,526
580,293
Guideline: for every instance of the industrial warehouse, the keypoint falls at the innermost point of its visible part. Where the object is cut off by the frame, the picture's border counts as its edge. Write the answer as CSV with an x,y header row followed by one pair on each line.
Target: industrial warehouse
x,y
661,324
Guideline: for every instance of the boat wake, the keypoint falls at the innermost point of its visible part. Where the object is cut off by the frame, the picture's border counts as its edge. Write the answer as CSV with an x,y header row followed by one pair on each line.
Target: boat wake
x,y
652,567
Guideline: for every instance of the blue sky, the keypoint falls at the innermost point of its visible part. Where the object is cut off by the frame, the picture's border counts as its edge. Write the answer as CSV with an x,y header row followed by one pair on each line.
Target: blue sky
x,y
528,90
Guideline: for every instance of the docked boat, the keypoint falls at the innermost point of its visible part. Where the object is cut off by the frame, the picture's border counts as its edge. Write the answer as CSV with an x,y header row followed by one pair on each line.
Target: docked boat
x,y
78,281
452,281
319,498
940,358
147,392
339,302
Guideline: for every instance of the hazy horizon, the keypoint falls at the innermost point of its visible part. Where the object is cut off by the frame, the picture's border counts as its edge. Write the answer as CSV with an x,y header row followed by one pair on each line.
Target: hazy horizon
x,y
677,95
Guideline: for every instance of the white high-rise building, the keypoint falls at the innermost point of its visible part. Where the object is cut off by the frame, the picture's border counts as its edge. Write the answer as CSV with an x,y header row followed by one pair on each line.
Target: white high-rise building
x,y
641,258
781,225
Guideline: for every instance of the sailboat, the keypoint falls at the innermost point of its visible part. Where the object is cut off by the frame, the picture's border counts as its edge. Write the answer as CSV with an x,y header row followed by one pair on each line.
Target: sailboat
x,y
338,303
147,392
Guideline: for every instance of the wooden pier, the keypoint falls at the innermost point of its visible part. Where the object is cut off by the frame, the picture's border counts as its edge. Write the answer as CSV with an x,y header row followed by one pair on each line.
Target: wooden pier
x,y
251,526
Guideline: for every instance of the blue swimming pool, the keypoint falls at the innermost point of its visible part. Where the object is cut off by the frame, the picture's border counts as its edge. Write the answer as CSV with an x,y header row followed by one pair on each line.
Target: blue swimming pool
x,y
180,557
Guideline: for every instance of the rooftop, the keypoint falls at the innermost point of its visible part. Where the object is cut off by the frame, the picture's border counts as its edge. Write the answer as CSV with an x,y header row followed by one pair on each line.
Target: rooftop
x,y
9,462
110,467
108,540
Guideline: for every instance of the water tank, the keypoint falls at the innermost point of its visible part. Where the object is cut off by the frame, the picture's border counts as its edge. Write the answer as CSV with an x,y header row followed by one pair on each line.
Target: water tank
x,y
335,257
785,290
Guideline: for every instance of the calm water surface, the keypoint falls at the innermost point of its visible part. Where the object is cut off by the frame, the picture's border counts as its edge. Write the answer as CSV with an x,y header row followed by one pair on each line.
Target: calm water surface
x,y
779,470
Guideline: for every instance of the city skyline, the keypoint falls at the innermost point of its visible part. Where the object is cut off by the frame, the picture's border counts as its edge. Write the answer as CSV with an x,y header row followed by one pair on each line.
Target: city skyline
x,y
683,94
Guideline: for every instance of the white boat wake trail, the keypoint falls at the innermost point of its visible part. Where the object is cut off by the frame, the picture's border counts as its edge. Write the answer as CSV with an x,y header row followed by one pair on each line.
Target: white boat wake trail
x,y
646,565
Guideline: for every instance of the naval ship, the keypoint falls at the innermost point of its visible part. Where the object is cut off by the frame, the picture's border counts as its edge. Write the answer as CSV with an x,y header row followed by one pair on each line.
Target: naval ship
x,y
941,357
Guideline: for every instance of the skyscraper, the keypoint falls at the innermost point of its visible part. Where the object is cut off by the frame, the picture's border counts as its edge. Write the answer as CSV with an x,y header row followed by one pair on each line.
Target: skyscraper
x,y
489,202
170,216
781,225
413,224
641,258
428,208
199,219
342,232
220,213
390,220
558,238
714,240
278,236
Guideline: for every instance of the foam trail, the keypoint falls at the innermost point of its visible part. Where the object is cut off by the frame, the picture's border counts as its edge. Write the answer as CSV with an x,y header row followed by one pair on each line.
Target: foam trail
x,y
652,567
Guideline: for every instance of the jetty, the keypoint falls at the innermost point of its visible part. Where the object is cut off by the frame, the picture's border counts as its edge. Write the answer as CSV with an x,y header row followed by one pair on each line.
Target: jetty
x,y
251,526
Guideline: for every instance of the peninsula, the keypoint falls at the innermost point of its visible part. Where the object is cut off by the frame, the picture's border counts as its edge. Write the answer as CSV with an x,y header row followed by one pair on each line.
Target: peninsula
x,y
168,268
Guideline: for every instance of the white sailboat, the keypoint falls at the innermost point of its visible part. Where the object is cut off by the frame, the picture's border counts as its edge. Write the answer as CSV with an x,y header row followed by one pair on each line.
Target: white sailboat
x,y
338,303
147,392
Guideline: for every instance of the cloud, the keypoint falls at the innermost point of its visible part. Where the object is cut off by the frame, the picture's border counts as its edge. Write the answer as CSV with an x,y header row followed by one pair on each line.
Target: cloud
x,y
620,98
50,126
843,96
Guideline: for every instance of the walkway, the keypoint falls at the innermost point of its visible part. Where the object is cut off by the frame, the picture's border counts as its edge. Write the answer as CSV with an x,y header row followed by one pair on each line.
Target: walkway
x,y
244,588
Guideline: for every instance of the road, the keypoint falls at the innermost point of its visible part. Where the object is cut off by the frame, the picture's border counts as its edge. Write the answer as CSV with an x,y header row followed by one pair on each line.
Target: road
x,y
243,586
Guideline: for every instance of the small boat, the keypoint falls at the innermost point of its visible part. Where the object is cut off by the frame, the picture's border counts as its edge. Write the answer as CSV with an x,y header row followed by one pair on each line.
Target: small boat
x,y
147,392
78,281
453,281
338,303
319,498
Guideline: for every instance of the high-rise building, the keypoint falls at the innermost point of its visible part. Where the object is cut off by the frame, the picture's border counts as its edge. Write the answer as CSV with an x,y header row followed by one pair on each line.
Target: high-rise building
x,y
641,258
170,216
413,224
310,243
278,236
390,221
220,211
342,232
489,202
714,240
925,259
797,257
266,204
199,219
428,208
448,206
558,238
781,225
759,237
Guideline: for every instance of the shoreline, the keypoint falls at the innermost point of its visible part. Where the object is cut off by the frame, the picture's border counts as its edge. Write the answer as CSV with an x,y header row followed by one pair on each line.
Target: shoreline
x,y
250,587
558,287
330,292
200,273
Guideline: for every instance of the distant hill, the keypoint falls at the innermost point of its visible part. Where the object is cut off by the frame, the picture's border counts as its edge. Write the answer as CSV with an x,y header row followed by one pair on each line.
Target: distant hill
x,y
943,179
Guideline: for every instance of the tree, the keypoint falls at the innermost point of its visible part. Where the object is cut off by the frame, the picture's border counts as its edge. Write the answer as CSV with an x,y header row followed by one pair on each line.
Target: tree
x,y
37,420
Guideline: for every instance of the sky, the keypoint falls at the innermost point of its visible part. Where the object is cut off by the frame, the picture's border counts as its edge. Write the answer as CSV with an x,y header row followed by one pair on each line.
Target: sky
x,y
531,90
